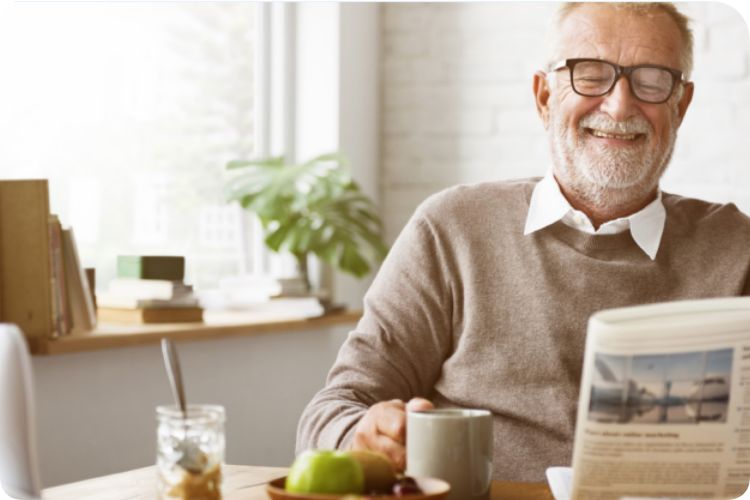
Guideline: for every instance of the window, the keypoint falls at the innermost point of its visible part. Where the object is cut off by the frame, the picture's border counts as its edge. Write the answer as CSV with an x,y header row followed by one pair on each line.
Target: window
x,y
131,110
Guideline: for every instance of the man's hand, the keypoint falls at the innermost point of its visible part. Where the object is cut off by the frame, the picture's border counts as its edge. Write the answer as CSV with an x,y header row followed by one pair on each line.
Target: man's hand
x,y
383,428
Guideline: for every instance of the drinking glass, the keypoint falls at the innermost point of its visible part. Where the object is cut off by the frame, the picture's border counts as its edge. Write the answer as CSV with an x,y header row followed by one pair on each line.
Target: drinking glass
x,y
190,452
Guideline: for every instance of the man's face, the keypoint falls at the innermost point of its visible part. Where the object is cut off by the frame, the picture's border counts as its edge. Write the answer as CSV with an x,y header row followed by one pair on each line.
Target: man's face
x,y
614,148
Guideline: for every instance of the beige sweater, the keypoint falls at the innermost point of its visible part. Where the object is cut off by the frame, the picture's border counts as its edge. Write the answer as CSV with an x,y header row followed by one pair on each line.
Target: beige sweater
x,y
467,311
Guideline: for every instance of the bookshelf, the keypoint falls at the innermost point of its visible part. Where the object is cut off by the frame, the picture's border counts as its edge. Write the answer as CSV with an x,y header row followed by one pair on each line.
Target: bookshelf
x,y
112,336
25,268
27,282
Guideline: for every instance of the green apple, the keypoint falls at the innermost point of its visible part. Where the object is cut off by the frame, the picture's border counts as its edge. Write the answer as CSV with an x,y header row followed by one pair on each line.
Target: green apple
x,y
325,471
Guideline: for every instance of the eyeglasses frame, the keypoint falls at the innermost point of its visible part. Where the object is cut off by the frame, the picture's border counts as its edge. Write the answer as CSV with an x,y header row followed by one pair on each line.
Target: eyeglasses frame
x,y
678,76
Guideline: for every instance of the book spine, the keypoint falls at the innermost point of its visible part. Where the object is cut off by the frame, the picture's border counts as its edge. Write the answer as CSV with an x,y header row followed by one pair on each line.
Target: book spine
x,y
148,289
91,280
25,270
81,305
57,280
158,315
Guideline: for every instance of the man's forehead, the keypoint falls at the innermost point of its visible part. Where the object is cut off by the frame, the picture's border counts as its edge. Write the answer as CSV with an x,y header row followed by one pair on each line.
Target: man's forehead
x,y
624,36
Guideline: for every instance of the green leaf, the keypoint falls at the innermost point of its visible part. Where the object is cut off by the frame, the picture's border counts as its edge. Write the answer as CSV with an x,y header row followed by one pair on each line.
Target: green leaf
x,y
352,262
274,161
276,238
328,157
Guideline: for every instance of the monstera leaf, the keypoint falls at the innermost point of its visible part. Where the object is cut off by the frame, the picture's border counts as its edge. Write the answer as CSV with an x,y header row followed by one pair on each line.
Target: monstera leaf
x,y
314,207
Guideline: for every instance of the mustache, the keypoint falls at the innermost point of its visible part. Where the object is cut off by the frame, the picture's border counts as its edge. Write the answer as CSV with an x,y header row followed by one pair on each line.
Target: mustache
x,y
602,122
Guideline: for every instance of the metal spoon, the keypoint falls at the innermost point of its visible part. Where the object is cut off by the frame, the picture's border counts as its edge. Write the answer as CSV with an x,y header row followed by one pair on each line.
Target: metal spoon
x,y
193,459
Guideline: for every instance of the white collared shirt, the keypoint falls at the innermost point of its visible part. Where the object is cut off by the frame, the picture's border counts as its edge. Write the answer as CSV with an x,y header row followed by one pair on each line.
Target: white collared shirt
x,y
548,205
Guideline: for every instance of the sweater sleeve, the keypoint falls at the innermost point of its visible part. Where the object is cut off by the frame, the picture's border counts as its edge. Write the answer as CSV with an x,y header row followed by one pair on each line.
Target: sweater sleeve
x,y
398,347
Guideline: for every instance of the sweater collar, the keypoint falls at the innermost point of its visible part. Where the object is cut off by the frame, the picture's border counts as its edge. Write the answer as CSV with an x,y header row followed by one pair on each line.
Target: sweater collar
x,y
548,205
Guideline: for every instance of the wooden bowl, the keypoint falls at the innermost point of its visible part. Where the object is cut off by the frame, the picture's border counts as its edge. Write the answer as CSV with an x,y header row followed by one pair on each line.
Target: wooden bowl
x,y
433,489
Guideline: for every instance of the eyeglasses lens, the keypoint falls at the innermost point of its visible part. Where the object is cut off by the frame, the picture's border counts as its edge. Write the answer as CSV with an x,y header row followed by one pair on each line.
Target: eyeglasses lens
x,y
651,84
594,78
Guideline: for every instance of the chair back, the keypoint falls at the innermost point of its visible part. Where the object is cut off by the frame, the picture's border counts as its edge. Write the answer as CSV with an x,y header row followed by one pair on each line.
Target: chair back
x,y
19,474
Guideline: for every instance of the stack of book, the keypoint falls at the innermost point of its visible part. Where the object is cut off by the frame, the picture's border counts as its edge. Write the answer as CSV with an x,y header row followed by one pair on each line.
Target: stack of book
x,y
149,289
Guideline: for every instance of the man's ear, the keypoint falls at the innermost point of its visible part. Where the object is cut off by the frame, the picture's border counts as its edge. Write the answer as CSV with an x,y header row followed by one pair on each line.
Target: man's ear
x,y
687,97
541,96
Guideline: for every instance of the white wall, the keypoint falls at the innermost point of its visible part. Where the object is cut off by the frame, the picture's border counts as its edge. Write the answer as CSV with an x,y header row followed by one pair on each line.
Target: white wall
x,y
458,105
96,410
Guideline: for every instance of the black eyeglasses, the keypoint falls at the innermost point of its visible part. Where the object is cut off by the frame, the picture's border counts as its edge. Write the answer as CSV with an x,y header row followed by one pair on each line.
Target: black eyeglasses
x,y
648,82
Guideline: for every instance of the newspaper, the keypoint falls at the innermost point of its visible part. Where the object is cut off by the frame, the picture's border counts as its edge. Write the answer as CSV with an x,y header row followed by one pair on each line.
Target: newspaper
x,y
664,409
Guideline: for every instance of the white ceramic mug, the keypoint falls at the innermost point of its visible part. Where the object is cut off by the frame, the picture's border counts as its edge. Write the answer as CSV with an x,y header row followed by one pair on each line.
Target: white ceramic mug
x,y
454,445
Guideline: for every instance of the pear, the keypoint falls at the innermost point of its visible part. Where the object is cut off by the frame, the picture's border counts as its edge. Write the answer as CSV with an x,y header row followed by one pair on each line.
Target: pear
x,y
379,471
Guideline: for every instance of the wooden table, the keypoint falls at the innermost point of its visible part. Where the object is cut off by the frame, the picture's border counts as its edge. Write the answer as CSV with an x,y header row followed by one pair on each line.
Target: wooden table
x,y
241,482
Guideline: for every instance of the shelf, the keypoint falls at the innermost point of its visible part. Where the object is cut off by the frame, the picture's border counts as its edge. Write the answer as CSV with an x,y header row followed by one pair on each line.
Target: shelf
x,y
112,336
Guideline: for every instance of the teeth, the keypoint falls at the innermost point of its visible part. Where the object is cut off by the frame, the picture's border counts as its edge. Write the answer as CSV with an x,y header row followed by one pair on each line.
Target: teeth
x,y
626,137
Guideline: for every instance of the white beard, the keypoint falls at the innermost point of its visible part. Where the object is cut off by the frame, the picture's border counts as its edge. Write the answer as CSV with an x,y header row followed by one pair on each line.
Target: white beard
x,y
607,177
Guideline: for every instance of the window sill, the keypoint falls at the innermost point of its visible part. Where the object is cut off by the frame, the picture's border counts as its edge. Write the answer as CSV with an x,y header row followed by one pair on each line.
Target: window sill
x,y
112,336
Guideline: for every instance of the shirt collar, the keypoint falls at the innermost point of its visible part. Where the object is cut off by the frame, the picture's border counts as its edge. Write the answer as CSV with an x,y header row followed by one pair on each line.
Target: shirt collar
x,y
548,205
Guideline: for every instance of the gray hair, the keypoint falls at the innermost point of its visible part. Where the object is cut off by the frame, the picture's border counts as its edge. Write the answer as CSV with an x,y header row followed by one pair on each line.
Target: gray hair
x,y
645,8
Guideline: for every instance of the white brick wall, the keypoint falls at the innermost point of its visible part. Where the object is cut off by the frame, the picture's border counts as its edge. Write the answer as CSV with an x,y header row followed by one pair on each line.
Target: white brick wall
x,y
458,105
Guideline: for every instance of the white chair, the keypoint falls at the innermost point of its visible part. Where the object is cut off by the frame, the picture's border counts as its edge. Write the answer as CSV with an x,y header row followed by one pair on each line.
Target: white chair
x,y
19,475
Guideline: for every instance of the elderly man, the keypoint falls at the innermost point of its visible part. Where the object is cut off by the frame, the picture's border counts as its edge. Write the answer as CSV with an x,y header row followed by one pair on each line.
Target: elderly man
x,y
484,298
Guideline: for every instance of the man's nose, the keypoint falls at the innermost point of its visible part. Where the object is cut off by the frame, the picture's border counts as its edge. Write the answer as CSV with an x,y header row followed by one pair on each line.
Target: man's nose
x,y
619,103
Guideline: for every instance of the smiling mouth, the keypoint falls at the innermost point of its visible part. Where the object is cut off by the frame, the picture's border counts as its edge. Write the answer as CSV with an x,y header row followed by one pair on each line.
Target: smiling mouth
x,y
611,135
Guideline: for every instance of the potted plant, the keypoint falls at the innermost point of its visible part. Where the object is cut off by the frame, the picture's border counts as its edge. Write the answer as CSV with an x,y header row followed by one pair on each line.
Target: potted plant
x,y
311,208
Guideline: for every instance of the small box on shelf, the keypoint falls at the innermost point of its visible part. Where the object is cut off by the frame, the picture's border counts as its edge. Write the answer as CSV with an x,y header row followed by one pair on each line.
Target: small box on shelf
x,y
155,267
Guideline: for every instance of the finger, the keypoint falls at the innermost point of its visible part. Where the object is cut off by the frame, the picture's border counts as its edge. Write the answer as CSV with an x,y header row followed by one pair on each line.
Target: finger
x,y
393,403
385,414
395,451
366,437
361,441
391,422
419,404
